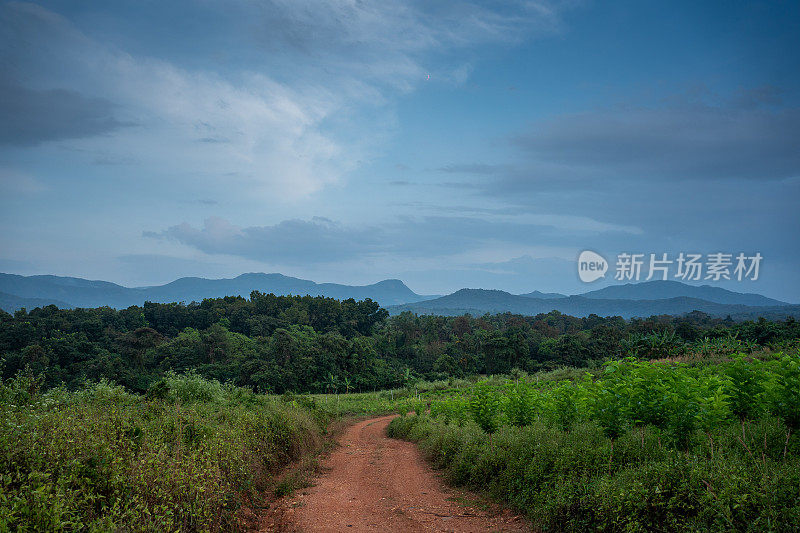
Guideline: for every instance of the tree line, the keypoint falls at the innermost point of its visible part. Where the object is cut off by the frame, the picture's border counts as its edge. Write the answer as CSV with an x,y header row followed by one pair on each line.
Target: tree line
x,y
315,344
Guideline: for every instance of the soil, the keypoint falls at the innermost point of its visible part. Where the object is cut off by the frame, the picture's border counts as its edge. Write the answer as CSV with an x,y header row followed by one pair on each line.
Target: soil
x,y
374,483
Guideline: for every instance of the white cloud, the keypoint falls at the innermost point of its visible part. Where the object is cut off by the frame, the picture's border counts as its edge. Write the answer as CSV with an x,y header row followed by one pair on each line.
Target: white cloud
x,y
287,124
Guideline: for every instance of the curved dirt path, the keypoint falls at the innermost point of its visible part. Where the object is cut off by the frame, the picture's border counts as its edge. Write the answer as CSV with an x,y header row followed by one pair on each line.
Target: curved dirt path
x,y
374,483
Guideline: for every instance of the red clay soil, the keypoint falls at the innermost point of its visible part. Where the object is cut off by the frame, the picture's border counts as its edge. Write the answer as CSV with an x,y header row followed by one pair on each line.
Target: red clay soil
x,y
375,483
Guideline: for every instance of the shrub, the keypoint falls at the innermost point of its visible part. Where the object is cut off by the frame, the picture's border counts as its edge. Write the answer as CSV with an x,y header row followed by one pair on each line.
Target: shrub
x,y
103,459
485,407
191,388
521,404
572,481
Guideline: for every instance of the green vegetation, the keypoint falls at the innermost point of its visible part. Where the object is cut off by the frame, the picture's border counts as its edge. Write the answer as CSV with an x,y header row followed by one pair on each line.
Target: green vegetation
x,y
179,417
188,456
644,446
302,344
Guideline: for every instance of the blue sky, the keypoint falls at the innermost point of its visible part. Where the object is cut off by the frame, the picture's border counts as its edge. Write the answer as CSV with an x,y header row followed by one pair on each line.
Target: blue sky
x,y
446,144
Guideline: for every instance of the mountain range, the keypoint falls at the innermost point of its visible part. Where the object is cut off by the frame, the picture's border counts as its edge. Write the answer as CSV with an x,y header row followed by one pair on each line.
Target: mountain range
x,y
637,304
77,292
629,300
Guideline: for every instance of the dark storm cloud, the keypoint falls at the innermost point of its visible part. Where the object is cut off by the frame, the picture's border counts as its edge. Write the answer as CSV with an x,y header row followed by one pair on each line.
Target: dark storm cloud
x,y
29,117
38,98
679,143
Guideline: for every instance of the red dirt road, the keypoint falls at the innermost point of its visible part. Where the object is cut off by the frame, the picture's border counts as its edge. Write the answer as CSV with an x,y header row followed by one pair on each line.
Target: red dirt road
x,y
374,483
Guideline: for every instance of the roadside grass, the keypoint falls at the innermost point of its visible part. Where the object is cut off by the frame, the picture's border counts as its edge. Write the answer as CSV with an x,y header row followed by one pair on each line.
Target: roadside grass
x,y
190,455
637,446
187,458
579,480
303,472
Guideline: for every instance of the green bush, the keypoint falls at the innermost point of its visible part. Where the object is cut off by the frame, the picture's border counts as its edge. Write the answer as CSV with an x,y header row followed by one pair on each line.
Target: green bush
x,y
104,459
640,447
521,404
191,387
485,407
785,397
580,480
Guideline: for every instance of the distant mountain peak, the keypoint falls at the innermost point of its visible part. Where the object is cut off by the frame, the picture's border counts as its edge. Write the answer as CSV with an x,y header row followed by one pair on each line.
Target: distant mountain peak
x,y
544,295
392,282
479,291
662,289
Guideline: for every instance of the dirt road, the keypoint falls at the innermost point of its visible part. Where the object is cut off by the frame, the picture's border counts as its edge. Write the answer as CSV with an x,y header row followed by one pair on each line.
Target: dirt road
x,y
374,483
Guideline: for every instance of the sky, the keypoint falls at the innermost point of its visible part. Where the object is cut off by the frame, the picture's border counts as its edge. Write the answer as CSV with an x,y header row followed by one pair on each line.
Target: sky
x,y
447,144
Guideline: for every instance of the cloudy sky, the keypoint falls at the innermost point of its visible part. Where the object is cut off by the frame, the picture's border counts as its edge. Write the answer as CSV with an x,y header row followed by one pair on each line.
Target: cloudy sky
x,y
448,144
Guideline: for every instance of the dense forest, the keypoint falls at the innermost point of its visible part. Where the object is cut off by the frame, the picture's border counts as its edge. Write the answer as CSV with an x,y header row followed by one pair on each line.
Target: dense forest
x,y
314,344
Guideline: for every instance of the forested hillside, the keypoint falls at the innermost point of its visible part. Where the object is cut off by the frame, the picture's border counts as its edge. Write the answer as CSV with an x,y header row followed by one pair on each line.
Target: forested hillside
x,y
316,344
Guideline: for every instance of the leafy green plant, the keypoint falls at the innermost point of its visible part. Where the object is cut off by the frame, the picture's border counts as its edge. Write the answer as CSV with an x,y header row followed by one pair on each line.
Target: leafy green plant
x,y
562,405
191,387
608,404
786,391
521,404
745,386
485,407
